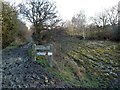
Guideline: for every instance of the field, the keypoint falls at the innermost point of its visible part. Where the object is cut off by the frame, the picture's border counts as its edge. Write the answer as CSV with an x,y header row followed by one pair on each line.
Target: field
x,y
90,64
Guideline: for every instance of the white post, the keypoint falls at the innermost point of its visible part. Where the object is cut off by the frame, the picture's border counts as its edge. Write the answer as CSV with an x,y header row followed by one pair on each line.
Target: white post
x,y
51,56
84,34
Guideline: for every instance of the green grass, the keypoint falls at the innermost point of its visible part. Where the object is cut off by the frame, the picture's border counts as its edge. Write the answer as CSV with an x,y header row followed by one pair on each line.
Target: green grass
x,y
95,56
67,76
42,60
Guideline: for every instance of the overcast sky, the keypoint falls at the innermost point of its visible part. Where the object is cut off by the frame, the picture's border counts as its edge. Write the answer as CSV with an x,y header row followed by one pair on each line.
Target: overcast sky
x,y
68,8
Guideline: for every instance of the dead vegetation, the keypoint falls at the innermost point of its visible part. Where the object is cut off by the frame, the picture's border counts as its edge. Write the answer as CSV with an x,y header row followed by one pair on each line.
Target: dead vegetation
x,y
85,63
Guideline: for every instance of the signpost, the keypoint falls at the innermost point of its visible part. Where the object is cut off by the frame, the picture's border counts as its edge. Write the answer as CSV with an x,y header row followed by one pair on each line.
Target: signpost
x,y
44,50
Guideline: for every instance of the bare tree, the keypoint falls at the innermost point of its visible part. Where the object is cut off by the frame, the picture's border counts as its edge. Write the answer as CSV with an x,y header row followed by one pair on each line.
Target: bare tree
x,y
108,16
119,13
39,13
112,15
107,21
101,19
79,21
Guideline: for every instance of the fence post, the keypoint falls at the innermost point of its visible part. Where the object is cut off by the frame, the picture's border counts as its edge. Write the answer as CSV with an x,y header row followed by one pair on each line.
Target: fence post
x,y
34,51
51,56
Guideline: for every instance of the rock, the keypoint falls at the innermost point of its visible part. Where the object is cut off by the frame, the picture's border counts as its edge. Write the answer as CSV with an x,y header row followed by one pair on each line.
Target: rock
x,y
46,79
52,82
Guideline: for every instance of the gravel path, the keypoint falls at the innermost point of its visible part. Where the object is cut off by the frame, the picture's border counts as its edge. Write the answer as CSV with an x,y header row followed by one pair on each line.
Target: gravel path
x,y
20,71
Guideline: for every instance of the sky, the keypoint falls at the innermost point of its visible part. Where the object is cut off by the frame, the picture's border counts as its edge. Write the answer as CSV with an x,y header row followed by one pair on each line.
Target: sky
x,y
68,8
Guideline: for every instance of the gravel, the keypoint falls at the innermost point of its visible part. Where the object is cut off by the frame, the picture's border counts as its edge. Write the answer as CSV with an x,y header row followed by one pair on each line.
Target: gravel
x,y
20,71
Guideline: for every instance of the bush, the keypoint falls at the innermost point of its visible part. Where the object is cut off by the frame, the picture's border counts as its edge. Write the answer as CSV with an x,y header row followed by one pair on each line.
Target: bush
x,y
9,27
12,27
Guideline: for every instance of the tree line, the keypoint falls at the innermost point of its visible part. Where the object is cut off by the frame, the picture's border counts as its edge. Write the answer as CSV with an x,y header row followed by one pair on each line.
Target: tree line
x,y
103,26
43,13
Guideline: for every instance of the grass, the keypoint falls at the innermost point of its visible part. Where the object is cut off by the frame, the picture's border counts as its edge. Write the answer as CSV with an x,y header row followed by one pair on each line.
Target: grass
x,y
99,58
42,60
89,64
68,76
14,45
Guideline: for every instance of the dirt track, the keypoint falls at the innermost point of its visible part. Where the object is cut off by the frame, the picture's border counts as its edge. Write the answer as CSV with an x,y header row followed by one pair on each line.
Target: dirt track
x,y
20,71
